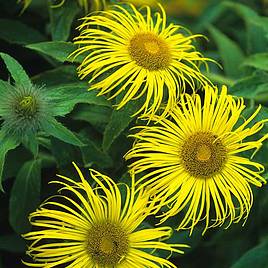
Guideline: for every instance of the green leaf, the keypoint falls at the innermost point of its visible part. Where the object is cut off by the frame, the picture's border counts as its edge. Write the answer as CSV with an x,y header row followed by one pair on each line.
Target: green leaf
x,y
256,26
211,15
219,79
252,87
4,87
31,143
92,153
61,19
14,161
16,32
96,115
119,121
7,143
258,61
57,130
16,70
256,257
58,50
65,97
25,195
64,153
52,78
230,52
12,243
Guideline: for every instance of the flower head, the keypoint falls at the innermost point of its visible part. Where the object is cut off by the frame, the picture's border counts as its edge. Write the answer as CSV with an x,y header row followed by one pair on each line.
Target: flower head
x,y
24,109
96,227
138,56
194,163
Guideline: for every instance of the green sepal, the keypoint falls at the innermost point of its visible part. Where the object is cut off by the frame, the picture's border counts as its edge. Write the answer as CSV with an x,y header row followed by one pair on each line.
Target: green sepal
x,y
65,97
5,88
25,195
56,129
16,70
8,143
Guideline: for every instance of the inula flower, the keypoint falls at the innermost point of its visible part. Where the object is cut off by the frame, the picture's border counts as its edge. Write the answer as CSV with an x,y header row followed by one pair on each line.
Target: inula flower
x,y
88,227
195,161
126,52
24,109
28,111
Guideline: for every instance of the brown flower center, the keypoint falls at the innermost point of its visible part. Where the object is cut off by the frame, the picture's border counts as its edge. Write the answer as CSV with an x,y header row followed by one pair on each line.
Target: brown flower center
x,y
203,155
107,244
149,51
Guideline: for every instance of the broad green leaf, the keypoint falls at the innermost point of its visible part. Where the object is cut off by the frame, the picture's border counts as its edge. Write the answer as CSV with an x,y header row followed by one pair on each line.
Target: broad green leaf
x,y
219,79
230,52
119,121
7,143
65,97
25,195
64,153
252,87
61,19
57,130
98,116
16,32
209,17
12,243
256,26
16,70
31,143
92,153
53,78
256,257
258,61
58,50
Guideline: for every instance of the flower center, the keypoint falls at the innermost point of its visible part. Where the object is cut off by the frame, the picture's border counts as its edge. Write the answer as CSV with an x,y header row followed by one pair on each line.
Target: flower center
x,y
203,155
26,107
107,244
149,51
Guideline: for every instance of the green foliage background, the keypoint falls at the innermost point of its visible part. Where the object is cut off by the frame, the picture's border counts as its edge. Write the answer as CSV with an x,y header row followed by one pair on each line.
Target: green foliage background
x,y
87,129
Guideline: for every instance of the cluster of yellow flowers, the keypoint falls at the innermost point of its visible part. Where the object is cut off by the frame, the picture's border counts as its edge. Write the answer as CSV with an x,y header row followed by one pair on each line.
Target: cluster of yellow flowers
x,y
187,157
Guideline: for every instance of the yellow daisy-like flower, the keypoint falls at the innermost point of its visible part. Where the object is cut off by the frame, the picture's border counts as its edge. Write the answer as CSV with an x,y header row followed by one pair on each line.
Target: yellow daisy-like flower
x,y
194,163
138,55
89,227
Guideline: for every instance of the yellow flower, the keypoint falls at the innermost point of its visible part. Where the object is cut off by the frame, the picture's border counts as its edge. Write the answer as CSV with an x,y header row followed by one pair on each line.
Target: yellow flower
x,y
126,52
96,228
193,160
